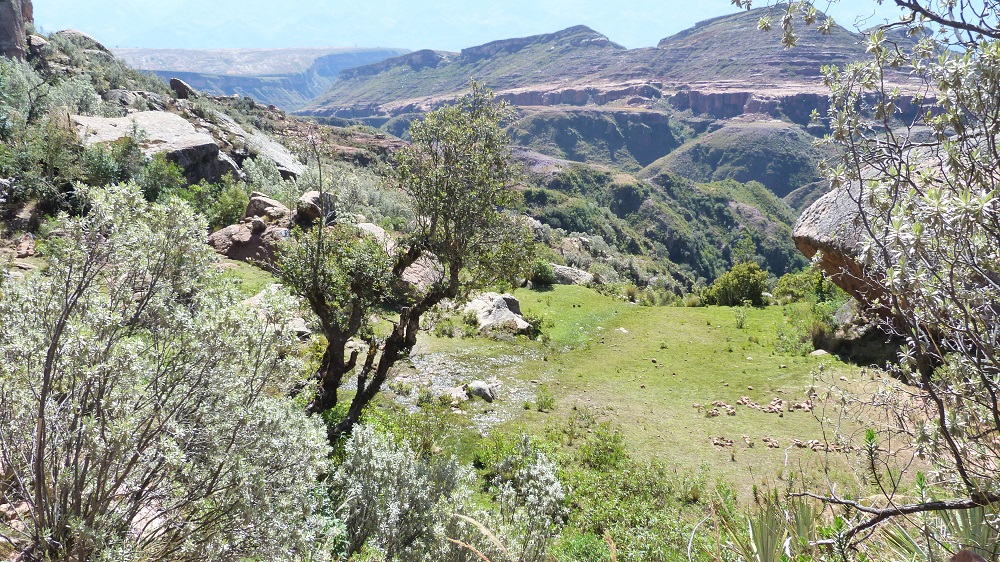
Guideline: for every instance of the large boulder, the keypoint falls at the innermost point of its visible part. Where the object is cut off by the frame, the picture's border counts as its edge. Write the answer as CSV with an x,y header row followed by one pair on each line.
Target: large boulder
x,y
832,226
253,240
423,273
572,276
263,147
498,312
313,204
183,90
262,206
196,152
377,232
256,144
481,389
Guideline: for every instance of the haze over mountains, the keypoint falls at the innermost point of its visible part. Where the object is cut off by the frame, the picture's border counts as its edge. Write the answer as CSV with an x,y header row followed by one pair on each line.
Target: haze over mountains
x,y
288,78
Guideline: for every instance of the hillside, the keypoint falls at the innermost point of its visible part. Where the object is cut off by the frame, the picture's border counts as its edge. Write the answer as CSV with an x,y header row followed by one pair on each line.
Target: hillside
x,y
776,153
287,78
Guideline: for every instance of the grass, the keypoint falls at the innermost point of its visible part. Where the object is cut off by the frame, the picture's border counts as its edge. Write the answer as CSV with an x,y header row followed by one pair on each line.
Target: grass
x,y
644,369
252,280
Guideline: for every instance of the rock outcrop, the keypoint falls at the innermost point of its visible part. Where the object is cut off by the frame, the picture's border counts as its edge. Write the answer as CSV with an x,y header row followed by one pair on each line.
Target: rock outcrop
x,y
566,275
196,152
13,15
183,90
832,227
496,312
266,223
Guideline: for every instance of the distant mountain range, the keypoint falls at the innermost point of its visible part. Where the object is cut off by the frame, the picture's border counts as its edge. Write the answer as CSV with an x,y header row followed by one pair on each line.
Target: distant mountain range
x,y
579,66
287,78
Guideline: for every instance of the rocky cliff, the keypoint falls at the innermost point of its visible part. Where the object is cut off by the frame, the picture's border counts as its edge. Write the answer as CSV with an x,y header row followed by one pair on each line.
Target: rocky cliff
x,y
14,14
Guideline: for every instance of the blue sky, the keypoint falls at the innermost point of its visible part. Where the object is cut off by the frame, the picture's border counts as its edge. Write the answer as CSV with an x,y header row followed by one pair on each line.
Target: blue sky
x,y
434,24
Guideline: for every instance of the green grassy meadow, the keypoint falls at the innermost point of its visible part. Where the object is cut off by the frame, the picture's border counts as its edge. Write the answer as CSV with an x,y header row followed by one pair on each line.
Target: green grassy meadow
x,y
646,368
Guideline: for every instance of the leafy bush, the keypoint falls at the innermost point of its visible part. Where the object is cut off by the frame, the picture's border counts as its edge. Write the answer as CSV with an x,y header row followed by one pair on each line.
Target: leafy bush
x,y
542,273
141,362
396,502
745,282
808,284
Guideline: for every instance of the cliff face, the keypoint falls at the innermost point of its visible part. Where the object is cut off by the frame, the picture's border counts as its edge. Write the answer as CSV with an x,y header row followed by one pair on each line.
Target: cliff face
x,y
13,15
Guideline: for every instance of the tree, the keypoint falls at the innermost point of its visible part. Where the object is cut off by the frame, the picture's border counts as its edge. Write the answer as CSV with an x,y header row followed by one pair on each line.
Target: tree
x,y
458,175
142,413
926,195
744,283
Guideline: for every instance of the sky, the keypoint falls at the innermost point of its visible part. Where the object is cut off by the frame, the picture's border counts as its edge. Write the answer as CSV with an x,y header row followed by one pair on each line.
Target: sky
x,y
412,24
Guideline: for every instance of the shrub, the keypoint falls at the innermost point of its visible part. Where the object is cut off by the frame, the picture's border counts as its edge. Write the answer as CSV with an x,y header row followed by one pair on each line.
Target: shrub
x,y
143,363
396,502
745,282
545,401
542,273
807,284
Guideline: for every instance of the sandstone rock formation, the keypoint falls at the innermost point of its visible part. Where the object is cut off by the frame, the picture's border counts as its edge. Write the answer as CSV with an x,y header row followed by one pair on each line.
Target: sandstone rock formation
x,y
424,272
832,227
197,153
262,206
253,240
313,205
498,312
13,15
183,90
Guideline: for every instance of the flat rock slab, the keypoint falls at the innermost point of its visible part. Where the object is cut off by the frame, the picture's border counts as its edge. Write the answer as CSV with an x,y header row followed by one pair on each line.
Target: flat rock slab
x,y
164,132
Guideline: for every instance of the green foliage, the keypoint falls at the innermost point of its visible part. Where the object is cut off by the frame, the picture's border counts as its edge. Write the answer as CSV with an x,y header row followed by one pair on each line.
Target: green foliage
x,y
117,162
809,284
545,401
459,176
222,204
745,282
459,179
606,450
397,503
141,363
160,176
542,273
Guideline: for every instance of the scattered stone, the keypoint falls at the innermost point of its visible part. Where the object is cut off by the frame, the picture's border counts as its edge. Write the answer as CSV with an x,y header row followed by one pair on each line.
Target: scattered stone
x,y
819,353
722,442
771,442
623,330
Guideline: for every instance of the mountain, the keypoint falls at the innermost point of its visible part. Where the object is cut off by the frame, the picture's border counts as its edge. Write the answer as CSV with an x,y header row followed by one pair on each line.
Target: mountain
x,y
579,66
287,78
